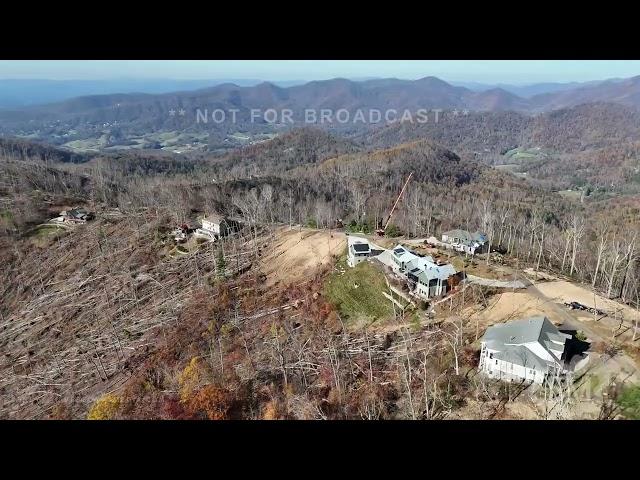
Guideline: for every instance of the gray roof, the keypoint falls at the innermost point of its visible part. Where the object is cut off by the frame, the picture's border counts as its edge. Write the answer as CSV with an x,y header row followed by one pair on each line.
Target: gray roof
x,y
403,252
505,337
525,330
441,272
466,236
519,355
77,212
420,263
446,269
426,277
423,267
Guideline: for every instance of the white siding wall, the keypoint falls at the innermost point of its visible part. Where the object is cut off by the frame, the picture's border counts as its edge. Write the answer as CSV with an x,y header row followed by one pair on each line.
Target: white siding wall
x,y
500,369
354,260
211,226
425,292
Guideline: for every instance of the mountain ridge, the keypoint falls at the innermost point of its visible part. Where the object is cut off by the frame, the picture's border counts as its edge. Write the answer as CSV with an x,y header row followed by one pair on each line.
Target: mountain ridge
x,y
426,92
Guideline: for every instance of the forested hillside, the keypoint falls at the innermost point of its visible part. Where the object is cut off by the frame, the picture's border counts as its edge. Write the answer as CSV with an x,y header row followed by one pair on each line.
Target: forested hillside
x,y
113,321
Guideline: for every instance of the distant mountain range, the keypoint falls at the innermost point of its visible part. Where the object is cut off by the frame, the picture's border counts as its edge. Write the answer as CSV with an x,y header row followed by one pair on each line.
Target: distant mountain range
x,y
16,93
528,90
141,113
427,92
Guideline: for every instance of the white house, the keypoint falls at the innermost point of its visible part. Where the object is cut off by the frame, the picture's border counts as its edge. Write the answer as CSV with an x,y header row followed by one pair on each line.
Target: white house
x,y
427,277
432,281
75,215
530,349
213,226
463,241
358,251
402,257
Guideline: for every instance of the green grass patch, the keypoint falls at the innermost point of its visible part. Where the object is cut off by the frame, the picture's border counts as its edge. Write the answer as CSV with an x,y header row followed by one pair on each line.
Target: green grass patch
x,y
511,152
86,145
357,293
629,401
393,231
571,194
47,231
594,382
240,136
509,167
43,235
413,316
363,227
162,136
6,218
524,155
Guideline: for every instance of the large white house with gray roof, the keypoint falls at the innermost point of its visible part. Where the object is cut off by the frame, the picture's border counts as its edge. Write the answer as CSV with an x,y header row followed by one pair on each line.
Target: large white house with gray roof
x,y
465,241
427,278
402,257
530,349
433,281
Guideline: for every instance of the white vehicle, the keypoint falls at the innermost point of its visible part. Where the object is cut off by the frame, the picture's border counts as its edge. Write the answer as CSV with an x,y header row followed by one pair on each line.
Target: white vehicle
x,y
179,235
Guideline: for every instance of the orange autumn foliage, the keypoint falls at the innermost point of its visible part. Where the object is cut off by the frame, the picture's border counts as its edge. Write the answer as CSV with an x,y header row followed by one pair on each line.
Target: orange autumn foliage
x,y
214,402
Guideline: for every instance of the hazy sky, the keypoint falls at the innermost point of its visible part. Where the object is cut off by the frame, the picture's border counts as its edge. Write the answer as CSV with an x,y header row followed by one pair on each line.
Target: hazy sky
x,y
511,71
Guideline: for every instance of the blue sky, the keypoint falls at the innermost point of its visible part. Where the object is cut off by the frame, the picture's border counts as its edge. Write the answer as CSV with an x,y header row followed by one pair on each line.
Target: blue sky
x,y
491,71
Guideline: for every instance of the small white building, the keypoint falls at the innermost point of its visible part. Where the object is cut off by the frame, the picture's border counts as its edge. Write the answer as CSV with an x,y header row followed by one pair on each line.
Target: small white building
x,y
213,226
358,250
531,349
75,215
212,223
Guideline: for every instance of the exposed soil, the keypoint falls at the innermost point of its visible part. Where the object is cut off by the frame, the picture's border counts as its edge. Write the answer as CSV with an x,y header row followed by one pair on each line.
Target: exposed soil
x,y
299,252
547,298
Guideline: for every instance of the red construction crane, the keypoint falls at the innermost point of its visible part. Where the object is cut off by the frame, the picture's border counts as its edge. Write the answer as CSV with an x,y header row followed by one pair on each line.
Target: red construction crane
x,y
381,231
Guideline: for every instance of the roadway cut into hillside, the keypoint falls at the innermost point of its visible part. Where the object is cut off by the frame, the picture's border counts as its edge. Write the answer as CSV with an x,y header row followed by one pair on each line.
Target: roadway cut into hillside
x,y
548,298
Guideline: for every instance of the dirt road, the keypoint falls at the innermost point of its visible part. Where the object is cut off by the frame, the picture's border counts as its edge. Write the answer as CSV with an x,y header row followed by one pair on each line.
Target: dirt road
x,y
487,282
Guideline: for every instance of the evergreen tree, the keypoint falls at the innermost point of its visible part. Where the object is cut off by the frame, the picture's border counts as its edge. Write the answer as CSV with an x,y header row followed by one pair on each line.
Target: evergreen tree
x,y
221,264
